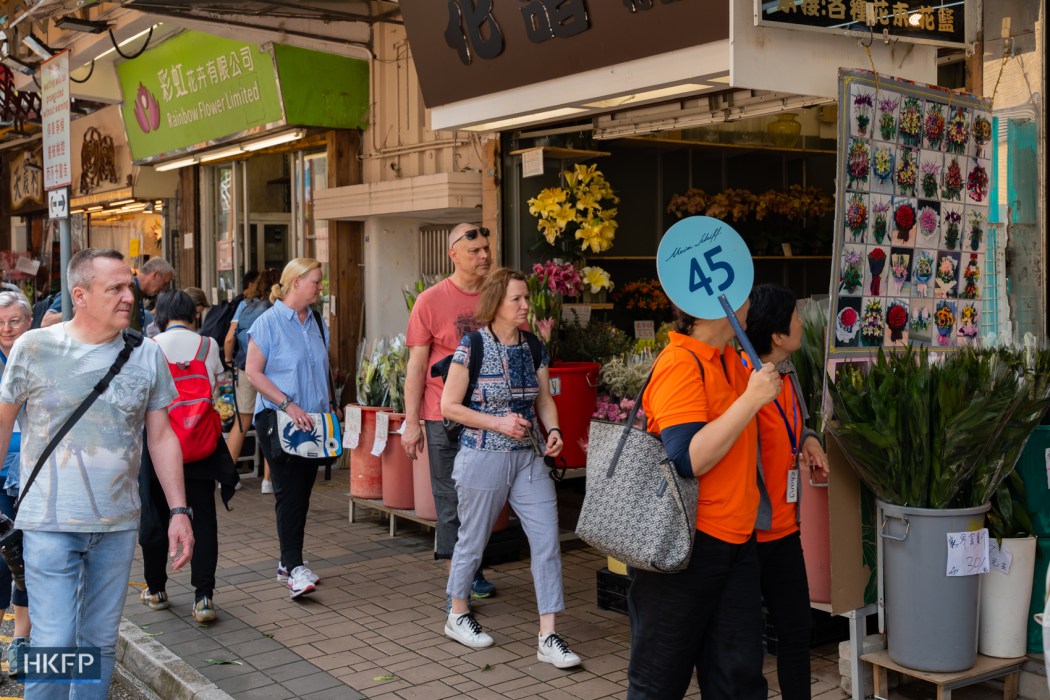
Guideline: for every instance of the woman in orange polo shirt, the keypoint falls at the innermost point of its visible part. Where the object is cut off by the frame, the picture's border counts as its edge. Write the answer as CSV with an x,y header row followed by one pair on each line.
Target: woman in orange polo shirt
x,y
702,402
775,329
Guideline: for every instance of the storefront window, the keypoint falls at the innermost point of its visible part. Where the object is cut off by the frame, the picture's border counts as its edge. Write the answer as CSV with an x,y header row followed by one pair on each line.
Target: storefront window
x,y
224,221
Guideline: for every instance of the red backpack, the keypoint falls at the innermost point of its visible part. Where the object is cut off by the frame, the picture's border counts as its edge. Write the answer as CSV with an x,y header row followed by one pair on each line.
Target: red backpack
x,y
192,415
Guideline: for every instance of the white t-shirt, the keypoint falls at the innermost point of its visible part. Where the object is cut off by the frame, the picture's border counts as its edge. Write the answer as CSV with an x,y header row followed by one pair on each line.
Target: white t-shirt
x,y
90,481
180,345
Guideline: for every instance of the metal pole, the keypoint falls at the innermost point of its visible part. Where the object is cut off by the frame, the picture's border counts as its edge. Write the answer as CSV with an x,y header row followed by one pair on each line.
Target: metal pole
x,y
65,243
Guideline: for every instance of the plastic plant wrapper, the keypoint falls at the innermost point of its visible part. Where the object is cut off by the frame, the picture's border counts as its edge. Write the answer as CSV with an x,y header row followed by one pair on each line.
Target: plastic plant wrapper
x,y
544,311
940,435
393,367
371,389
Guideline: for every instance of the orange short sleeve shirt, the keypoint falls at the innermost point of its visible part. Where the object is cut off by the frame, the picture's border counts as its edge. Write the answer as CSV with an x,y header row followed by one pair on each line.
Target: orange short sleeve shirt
x,y
677,394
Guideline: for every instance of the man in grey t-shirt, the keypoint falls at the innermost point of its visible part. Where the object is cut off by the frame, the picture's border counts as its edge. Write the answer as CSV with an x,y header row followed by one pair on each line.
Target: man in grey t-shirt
x,y
80,517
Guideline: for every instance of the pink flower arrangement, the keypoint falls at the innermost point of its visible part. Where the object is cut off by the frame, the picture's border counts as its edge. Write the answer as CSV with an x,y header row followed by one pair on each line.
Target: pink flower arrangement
x,y
856,216
858,162
927,221
562,277
613,412
977,183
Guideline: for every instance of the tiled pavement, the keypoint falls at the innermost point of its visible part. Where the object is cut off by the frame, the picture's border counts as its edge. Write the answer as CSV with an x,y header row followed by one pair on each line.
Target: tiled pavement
x,y
374,626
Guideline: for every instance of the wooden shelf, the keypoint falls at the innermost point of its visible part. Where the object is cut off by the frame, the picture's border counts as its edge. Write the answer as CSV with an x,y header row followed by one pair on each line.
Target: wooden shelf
x,y
791,257
596,305
559,153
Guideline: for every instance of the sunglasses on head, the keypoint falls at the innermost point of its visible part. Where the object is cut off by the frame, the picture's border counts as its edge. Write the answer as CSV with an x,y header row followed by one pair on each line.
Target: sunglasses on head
x,y
472,234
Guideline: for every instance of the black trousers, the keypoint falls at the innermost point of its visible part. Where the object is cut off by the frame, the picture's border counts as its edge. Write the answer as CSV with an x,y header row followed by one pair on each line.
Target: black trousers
x,y
293,482
707,618
153,534
785,590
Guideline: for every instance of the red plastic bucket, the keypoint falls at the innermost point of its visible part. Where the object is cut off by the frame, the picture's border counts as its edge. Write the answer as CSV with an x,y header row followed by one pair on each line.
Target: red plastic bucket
x,y
422,491
574,386
366,470
816,536
397,470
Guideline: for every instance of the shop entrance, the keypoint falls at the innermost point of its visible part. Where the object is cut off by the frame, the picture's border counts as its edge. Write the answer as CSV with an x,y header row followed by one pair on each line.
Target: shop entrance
x,y
269,243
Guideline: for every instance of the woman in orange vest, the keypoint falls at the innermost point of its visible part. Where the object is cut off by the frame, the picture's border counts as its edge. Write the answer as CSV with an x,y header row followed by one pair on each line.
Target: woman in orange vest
x,y
702,402
775,329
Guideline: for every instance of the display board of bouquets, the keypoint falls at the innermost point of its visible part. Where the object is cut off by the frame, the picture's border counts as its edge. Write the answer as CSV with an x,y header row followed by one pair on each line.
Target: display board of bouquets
x,y
911,212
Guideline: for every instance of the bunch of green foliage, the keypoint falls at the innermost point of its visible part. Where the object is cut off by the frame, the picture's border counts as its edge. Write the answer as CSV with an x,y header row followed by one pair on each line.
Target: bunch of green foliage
x,y
598,341
809,359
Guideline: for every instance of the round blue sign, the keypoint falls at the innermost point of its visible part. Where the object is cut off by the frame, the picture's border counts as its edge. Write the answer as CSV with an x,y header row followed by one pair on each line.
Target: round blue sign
x,y
701,259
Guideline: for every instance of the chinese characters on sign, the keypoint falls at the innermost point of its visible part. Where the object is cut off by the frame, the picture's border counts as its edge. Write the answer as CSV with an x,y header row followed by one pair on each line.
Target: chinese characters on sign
x,y
54,112
967,553
914,20
26,189
179,80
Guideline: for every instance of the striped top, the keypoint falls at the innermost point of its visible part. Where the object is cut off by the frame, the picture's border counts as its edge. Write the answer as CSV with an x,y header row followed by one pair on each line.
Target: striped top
x,y
296,357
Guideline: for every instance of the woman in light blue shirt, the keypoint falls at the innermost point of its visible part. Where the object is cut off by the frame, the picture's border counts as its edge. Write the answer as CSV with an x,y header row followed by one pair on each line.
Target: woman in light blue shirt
x,y
287,363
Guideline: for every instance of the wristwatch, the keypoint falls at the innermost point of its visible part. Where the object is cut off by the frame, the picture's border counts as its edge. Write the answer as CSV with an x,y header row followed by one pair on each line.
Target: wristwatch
x,y
188,512
284,404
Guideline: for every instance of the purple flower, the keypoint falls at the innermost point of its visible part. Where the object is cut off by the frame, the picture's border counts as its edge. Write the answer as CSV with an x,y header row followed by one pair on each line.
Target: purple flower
x,y
147,111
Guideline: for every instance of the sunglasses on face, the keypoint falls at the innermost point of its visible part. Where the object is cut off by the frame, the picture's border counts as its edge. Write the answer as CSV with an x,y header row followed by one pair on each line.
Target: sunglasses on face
x,y
472,234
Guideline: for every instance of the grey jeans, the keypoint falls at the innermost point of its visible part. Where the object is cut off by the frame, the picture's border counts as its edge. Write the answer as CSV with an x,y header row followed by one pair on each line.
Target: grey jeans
x,y
442,454
485,480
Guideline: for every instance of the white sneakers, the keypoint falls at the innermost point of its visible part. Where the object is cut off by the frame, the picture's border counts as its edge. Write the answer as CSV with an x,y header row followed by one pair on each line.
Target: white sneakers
x,y
299,583
554,650
466,630
267,486
283,575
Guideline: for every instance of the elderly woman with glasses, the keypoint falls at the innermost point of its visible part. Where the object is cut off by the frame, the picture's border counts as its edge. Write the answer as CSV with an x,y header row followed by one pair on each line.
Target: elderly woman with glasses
x,y
16,315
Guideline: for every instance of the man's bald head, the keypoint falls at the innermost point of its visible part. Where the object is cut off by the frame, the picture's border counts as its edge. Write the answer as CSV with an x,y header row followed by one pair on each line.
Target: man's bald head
x,y
468,246
456,233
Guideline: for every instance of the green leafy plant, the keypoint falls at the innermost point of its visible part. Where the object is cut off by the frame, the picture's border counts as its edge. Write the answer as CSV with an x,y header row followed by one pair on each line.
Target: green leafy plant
x,y
940,435
371,389
598,341
412,291
623,377
809,359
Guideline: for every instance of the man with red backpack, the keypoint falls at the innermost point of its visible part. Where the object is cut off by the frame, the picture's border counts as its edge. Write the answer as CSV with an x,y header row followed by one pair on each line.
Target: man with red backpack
x,y
194,362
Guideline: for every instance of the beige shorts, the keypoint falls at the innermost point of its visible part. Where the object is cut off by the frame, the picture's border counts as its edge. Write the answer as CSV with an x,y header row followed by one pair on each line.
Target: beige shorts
x,y
245,393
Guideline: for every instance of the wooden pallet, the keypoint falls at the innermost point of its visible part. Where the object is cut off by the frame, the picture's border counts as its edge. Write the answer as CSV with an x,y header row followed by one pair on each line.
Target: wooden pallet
x,y
986,668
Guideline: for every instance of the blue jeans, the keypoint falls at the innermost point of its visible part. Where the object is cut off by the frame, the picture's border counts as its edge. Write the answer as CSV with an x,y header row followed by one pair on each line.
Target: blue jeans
x,y
9,592
82,577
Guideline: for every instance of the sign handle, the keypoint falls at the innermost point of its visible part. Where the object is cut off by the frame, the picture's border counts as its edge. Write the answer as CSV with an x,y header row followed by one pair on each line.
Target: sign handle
x,y
741,336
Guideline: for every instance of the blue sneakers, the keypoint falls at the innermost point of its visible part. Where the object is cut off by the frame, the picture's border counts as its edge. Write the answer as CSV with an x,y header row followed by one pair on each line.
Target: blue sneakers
x,y
481,588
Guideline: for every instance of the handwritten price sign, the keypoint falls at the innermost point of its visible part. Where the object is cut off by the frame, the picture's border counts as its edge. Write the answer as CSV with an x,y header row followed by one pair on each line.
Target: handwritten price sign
x,y
701,259
967,553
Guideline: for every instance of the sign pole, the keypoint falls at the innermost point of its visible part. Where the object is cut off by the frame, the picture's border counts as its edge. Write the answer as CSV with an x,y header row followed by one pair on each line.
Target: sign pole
x,y
54,122
741,336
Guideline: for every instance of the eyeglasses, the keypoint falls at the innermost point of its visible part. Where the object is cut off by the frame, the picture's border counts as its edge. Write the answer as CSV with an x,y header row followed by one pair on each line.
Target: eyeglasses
x,y
471,235
13,323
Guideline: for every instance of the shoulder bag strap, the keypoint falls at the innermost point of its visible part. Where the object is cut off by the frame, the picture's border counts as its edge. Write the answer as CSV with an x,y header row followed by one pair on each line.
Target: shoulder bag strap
x,y
202,349
331,382
637,406
132,339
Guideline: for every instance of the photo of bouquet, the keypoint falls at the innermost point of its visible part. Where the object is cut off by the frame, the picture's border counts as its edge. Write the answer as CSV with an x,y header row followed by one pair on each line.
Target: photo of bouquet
x,y
953,181
923,273
982,133
897,321
858,162
904,221
975,220
920,320
888,117
933,126
952,219
968,326
931,178
977,183
857,217
911,122
906,172
882,163
879,227
873,329
946,277
863,103
944,317
928,220
847,325
876,264
850,275
972,277
958,132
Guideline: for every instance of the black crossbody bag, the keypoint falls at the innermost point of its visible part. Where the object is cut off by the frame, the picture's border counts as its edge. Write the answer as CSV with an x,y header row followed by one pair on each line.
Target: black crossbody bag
x,y
10,536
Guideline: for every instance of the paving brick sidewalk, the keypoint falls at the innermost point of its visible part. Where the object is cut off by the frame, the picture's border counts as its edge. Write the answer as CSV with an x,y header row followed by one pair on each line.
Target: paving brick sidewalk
x,y
374,626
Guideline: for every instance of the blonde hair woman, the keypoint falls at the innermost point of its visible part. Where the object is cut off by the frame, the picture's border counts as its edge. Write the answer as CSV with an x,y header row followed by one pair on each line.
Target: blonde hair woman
x,y
287,364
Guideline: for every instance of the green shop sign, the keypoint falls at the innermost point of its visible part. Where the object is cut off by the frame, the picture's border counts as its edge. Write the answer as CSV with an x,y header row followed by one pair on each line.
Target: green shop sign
x,y
195,89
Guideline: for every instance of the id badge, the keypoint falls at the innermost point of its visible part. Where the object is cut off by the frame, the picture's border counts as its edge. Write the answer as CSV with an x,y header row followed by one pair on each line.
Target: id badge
x,y
792,486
